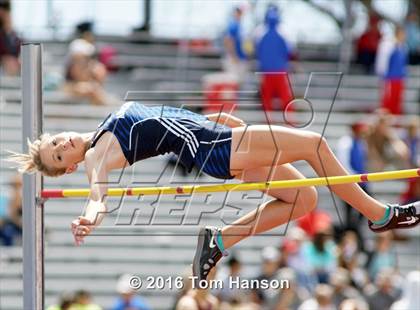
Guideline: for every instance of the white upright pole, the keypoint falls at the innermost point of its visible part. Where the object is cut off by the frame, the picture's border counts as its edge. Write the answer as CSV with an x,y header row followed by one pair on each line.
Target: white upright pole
x,y
33,208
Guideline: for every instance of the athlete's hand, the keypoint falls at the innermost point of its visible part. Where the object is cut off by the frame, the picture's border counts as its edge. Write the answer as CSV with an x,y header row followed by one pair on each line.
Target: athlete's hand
x,y
81,227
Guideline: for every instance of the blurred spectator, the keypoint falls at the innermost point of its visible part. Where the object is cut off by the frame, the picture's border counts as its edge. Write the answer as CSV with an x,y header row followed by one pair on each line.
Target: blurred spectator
x,y
186,286
107,56
353,304
11,225
391,66
349,258
291,297
314,222
293,256
367,45
322,300
242,306
412,139
227,294
384,146
127,299
9,41
340,280
348,249
410,296
412,194
3,207
290,248
65,303
352,151
382,257
234,59
197,299
273,53
84,74
321,256
413,37
385,295
83,301
270,265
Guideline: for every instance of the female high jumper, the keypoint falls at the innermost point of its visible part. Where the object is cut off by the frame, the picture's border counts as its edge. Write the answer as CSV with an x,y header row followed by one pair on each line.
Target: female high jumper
x,y
220,145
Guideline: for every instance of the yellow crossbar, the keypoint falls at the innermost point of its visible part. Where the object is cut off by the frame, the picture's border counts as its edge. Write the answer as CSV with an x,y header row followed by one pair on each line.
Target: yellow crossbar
x,y
189,189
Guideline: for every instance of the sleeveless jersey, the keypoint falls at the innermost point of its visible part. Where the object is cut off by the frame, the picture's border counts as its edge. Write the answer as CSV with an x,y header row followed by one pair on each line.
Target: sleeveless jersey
x,y
147,131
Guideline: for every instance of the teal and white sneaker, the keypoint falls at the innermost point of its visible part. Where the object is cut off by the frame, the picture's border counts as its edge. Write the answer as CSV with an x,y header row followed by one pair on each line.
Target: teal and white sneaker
x,y
207,254
405,216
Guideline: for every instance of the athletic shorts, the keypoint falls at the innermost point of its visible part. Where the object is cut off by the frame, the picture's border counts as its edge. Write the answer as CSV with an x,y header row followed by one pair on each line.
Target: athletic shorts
x,y
213,155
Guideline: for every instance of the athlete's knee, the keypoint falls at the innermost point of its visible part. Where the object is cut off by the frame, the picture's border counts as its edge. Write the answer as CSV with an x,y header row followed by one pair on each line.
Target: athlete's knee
x,y
318,143
323,147
308,198
312,200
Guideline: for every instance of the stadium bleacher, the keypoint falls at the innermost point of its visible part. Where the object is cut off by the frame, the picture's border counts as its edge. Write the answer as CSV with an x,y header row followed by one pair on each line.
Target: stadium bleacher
x,y
144,249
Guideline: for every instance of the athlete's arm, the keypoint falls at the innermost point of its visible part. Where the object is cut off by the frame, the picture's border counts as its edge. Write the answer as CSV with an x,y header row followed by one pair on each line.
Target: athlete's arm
x,y
226,119
98,179
96,208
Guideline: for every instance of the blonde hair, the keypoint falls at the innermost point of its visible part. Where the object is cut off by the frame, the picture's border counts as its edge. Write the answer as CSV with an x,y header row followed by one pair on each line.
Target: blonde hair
x,y
31,162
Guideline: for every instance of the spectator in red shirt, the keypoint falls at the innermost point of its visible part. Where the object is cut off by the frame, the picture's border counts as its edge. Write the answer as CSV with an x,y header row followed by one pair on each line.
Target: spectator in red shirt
x,y
367,44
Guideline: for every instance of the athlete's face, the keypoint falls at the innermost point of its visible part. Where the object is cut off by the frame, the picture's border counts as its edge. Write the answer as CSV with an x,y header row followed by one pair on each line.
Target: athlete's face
x,y
63,151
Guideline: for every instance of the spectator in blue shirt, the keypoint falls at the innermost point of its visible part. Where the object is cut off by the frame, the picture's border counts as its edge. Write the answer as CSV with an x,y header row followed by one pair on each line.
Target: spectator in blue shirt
x,y
127,299
11,222
382,258
234,61
352,151
391,65
273,55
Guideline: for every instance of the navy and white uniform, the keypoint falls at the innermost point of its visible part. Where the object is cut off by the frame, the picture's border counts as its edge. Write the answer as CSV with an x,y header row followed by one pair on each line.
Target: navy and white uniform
x,y
147,131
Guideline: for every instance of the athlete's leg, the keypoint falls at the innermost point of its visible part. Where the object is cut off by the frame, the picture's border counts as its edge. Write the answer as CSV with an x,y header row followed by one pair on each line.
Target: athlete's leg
x,y
289,204
258,148
262,145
